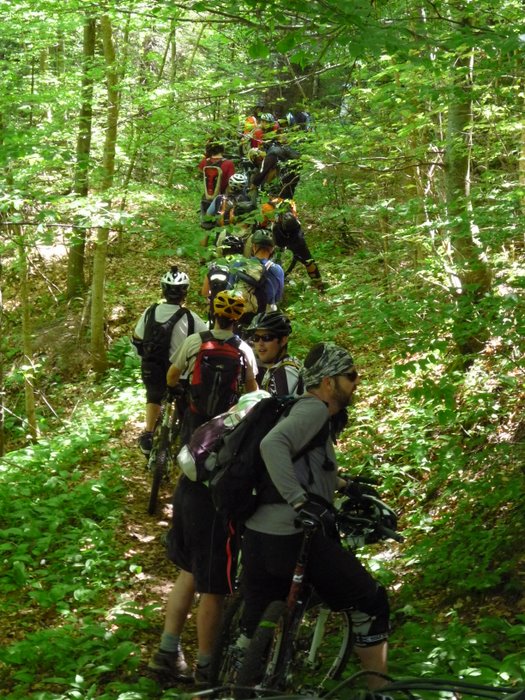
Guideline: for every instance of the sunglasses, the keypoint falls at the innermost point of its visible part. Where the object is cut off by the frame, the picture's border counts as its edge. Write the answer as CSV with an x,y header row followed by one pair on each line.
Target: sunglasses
x,y
266,338
352,376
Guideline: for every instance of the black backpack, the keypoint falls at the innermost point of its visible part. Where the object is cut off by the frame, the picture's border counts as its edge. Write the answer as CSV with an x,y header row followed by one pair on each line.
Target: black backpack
x,y
237,477
157,336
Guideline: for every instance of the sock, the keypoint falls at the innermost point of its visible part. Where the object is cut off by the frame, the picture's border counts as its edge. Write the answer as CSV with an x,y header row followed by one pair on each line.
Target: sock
x,y
203,659
170,642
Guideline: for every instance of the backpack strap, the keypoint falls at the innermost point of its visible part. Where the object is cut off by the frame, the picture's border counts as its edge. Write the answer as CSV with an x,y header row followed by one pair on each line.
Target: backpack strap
x,y
177,317
189,317
206,336
149,316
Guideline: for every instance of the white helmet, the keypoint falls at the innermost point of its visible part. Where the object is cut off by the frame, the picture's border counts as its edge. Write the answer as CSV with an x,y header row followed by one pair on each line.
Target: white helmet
x,y
175,284
238,181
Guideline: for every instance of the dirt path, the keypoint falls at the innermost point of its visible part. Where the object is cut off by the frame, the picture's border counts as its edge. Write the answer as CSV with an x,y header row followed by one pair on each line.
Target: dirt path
x,y
142,539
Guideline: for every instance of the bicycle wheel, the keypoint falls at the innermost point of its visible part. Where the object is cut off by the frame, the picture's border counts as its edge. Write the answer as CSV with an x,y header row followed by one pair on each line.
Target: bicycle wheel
x,y
260,666
223,670
322,647
159,467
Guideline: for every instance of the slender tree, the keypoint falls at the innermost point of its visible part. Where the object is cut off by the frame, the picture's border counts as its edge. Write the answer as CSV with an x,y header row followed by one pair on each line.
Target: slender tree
x,y
98,350
471,270
75,271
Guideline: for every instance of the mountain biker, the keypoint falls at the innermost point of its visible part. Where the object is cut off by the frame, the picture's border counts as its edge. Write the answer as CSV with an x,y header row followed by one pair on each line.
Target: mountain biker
x,y
155,363
228,307
217,278
306,488
197,538
279,373
234,205
279,172
217,171
287,232
269,290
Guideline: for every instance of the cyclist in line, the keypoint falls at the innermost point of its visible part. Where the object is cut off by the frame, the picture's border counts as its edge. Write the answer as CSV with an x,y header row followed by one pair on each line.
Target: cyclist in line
x,y
217,278
279,371
159,332
287,232
279,172
269,291
234,205
273,533
217,171
197,538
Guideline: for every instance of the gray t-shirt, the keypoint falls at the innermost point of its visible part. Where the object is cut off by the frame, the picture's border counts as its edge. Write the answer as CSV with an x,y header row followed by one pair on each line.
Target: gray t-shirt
x,y
293,479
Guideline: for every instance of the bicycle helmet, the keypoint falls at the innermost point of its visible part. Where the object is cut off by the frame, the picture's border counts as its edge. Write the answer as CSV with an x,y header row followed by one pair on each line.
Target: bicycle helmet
x,y
255,155
267,117
230,245
263,238
325,360
174,284
273,321
365,520
237,182
228,304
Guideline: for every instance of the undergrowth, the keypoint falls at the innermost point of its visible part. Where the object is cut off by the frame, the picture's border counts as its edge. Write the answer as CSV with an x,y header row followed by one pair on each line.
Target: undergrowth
x,y
444,442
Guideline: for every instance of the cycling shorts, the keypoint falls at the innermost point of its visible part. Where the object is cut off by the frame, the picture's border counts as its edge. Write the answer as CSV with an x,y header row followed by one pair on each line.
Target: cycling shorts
x,y
197,540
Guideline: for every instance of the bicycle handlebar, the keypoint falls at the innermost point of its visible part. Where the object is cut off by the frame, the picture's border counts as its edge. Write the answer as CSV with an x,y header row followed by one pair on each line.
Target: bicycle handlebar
x,y
390,534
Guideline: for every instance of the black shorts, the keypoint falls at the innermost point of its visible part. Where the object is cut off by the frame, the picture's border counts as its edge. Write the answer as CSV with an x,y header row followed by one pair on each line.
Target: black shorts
x,y
197,540
336,574
154,379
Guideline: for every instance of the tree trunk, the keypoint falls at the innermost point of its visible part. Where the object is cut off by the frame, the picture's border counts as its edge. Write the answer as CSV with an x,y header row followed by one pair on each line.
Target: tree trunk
x,y
473,275
76,258
98,349
27,345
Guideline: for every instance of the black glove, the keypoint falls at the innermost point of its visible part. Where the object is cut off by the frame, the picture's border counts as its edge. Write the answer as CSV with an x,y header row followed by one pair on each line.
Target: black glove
x,y
356,489
313,514
174,392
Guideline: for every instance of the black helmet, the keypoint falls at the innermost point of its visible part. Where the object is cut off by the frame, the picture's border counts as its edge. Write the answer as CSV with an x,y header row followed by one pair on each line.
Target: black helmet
x,y
273,321
366,519
263,238
230,245
175,284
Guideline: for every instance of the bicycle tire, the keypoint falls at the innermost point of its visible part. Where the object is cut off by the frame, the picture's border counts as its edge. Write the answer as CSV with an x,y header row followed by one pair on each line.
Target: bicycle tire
x,y
260,664
222,670
323,645
159,468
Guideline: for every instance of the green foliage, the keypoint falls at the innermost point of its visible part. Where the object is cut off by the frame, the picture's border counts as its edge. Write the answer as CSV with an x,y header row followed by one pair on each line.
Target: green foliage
x,y
443,434
452,649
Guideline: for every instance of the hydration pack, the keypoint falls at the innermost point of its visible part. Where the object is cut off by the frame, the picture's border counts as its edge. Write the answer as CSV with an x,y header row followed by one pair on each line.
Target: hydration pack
x,y
212,177
218,375
249,276
227,456
157,336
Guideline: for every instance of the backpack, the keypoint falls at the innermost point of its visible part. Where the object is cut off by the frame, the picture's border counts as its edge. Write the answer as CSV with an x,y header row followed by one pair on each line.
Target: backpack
x,y
212,176
193,456
234,468
157,335
249,277
218,375
234,209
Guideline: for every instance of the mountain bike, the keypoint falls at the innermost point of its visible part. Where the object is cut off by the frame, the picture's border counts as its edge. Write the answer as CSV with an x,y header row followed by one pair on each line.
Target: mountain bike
x,y
418,688
164,449
301,636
